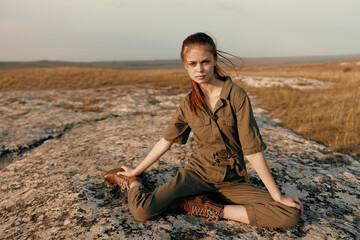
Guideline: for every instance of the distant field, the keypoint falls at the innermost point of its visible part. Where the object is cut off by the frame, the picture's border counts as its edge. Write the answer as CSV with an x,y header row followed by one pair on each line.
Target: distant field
x,y
330,116
173,64
80,78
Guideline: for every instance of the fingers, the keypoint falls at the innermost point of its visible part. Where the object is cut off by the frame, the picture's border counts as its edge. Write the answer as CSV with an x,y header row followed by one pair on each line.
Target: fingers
x,y
293,202
301,210
125,171
299,206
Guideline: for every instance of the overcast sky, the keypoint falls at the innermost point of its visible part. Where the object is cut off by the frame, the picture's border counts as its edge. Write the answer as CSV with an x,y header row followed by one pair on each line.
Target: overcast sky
x,y
91,30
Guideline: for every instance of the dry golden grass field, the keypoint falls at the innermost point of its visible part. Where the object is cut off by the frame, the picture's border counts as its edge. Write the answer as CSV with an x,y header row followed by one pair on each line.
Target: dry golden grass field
x,y
330,116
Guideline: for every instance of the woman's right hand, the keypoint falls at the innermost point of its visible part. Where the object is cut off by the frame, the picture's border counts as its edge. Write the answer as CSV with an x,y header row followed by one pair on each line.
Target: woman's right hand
x,y
128,171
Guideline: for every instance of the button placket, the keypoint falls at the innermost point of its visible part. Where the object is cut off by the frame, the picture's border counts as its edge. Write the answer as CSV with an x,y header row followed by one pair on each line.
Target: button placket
x,y
221,160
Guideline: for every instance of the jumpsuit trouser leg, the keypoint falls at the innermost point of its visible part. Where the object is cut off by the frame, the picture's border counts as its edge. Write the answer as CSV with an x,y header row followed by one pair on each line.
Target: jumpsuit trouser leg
x,y
261,208
145,204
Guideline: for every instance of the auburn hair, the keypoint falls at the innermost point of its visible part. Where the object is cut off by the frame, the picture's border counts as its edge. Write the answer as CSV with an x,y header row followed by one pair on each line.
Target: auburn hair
x,y
196,96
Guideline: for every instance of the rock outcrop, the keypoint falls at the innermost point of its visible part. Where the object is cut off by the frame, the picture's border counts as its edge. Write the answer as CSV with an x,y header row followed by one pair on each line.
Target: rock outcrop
x,y
56,145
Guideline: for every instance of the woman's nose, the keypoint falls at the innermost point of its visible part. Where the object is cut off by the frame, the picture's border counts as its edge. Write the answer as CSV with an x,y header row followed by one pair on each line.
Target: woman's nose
x,y
199,68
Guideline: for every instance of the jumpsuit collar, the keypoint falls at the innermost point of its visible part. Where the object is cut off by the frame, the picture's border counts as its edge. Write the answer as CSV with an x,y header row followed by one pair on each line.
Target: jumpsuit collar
x,y
225,91
224,94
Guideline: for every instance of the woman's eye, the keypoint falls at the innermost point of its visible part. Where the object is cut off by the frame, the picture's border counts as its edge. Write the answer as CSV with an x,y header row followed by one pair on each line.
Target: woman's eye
x,y
192,64
206,62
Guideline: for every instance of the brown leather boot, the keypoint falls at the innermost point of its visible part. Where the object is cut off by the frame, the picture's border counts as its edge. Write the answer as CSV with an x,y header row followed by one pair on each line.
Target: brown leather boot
x,y
123,181
201,206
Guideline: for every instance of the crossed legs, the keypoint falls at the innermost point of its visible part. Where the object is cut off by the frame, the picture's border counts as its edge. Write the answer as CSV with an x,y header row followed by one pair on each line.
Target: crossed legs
x,y
243,202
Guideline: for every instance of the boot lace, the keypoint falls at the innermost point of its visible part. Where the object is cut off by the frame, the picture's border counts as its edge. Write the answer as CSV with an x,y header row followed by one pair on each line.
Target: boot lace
x,y
124,184
211,214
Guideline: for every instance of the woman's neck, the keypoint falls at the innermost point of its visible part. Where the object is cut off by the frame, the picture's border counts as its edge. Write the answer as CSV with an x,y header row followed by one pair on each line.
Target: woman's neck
x,y
212,91
212,87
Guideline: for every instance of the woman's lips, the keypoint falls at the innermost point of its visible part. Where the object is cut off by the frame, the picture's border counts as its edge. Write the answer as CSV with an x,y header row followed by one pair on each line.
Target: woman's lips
x,y
200,77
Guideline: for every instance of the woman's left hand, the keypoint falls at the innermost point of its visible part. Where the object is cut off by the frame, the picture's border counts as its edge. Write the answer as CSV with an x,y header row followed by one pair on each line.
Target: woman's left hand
x,y
292,202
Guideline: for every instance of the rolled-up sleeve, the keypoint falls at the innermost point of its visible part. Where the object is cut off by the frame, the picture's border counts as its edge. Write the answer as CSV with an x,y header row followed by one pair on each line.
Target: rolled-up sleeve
x,y
249,134
178,130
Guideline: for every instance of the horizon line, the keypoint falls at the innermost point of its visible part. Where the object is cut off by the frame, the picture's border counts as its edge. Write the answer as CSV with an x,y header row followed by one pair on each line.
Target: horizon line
x,y
357,55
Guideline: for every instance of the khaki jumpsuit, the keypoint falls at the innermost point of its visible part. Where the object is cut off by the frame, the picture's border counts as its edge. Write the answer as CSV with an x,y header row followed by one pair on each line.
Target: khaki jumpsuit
x,y
218,166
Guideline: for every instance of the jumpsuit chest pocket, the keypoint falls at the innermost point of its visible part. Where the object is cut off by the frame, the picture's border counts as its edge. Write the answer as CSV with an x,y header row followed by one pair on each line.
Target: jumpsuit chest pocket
x,y
228,126
201,128
227,121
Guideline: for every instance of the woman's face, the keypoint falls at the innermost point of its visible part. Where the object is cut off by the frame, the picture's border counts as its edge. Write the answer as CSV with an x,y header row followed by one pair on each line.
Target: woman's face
x,y
200,63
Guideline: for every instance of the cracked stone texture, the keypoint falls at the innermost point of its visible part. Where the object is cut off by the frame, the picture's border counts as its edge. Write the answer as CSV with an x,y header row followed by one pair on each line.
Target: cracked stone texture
x,y
54,152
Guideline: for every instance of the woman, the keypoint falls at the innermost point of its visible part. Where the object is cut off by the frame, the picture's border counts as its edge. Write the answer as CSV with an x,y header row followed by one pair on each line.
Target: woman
x,y
220,115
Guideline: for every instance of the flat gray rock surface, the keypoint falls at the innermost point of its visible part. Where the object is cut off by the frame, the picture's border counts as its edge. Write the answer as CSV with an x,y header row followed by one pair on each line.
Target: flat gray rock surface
x,y
56,145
